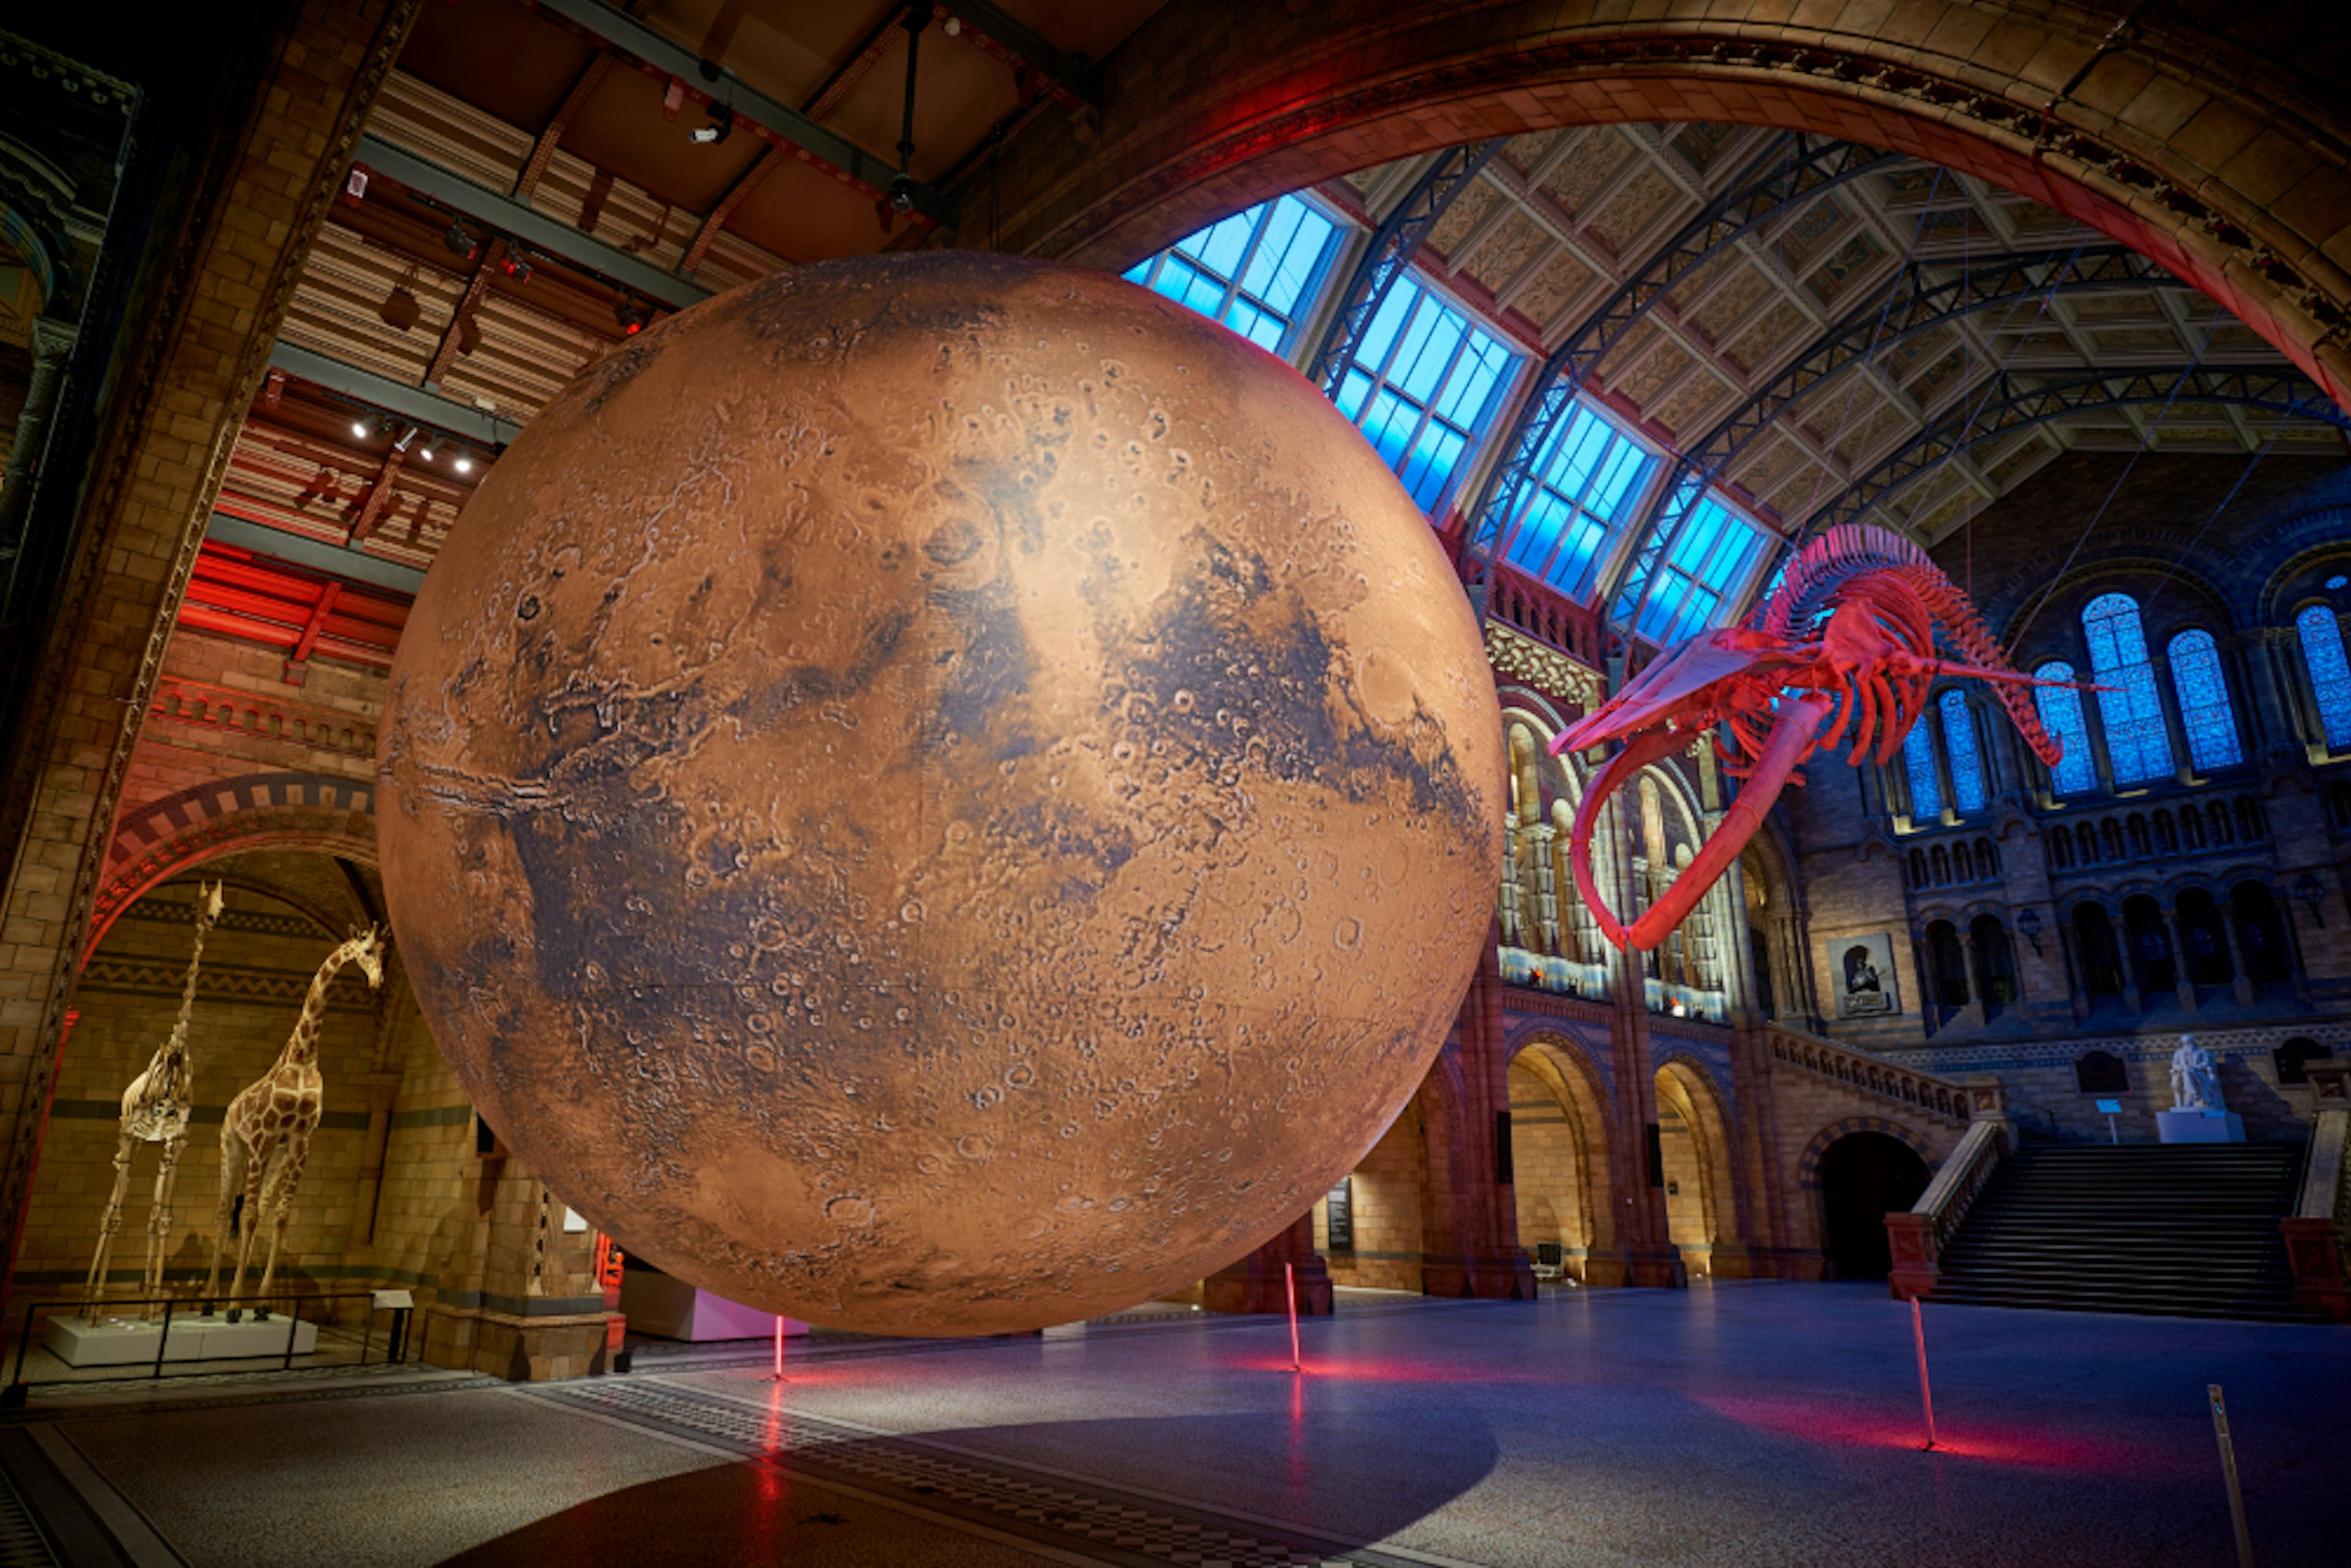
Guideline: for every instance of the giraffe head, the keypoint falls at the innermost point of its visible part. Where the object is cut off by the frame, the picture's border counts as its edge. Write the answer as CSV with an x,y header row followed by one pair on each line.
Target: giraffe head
x,y
366,949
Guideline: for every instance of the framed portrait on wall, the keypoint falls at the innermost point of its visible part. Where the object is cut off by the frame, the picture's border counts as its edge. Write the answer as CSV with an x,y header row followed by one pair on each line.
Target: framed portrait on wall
x,y
1861,972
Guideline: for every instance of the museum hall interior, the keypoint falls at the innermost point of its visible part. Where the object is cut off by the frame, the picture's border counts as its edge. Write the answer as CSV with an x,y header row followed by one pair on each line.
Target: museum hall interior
x,y
1150,782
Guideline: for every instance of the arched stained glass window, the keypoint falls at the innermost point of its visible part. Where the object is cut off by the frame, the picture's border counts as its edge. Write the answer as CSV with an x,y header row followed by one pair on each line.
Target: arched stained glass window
x,y
2061,716
2203,701
2330,672
1919,767
2133,712
1969,792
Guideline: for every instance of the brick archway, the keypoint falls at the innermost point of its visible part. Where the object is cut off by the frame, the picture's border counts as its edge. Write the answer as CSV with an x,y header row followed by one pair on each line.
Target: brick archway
x,y
1808,1167
2205,155
256,810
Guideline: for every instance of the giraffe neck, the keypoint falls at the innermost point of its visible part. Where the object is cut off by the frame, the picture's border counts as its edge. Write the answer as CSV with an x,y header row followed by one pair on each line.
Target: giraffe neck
x,y
302,1045
195,961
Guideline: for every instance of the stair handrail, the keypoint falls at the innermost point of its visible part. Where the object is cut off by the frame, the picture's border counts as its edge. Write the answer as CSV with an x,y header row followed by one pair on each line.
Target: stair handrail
x,y
2318,1232
1917,1238
1871,1074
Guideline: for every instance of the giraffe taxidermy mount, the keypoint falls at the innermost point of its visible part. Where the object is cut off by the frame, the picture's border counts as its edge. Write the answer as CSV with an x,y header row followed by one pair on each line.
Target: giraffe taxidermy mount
x,y
266,1135
155,1110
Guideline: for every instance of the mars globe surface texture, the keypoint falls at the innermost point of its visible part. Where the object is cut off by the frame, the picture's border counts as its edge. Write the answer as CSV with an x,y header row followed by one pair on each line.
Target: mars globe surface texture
x,y
940,794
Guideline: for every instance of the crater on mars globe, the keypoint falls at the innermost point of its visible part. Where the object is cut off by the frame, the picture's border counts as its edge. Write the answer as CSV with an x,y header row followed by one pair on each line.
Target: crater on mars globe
x,y
940,794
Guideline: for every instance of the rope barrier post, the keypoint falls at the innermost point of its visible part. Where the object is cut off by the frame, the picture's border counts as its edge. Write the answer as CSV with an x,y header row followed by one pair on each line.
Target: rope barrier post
x,y
1925,1393
2229,1471
1290,1283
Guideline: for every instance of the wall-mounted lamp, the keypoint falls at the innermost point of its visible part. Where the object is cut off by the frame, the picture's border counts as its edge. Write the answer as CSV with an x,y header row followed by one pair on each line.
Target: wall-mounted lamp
x,y
2028,925
2307,888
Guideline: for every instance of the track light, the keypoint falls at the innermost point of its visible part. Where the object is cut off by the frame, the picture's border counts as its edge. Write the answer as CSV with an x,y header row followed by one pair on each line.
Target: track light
x,y
461,240
362,428
406,437
630,315
515,264
721,126
431,449
463,464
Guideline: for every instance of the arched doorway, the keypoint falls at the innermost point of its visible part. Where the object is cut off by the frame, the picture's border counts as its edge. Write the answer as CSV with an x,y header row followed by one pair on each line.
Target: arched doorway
x,y
1696,1148
1386,1202
1865,1176
1560,1173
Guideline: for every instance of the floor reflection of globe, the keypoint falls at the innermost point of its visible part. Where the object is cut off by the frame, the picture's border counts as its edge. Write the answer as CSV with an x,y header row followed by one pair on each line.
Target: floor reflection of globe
x,y
940,794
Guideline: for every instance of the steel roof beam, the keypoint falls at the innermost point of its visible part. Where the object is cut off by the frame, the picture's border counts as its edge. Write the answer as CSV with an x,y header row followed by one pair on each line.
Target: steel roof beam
x,y
814,143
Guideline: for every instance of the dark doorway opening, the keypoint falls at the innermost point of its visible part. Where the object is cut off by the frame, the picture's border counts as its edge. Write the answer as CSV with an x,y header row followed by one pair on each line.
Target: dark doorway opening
x,y
1865,1176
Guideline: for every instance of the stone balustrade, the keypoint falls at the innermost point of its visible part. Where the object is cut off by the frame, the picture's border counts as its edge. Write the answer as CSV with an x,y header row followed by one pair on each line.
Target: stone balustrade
x,y
1928,1094
1918,1239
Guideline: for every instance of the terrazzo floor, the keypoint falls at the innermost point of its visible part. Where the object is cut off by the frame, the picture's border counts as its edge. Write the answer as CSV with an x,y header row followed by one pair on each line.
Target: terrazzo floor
x,y
1736,1424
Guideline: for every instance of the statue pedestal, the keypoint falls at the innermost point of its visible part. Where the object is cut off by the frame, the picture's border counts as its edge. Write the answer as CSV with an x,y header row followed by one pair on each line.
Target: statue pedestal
x,y
117,1343
2200,1127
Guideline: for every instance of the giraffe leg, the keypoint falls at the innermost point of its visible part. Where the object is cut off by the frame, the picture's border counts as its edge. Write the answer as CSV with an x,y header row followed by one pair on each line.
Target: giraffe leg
x,y
159,1220
111,1222
256,1170
277,1203
232,1176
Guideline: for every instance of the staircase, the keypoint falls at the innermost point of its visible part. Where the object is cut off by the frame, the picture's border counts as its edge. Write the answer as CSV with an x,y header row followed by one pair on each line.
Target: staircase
x,y
2184,1230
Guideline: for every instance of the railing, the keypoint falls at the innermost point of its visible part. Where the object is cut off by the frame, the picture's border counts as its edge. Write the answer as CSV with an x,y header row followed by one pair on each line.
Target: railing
x,y
251,1326
1918,1239
2185,828
262,718
1543,614
2318,1233
1928,1094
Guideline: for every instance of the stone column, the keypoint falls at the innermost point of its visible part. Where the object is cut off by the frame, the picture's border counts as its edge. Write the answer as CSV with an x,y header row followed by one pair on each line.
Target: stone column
x,y
2167,702
2077,970
2183,980
1651,1258
2241,977
516,1294
1256,1284
52,342
2273,718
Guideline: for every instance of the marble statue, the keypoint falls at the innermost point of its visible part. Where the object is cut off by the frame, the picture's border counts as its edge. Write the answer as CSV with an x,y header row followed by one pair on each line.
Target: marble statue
x,y
2195,1082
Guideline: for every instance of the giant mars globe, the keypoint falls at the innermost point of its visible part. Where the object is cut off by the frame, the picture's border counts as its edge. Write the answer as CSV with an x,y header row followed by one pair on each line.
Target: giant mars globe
x,y
940,794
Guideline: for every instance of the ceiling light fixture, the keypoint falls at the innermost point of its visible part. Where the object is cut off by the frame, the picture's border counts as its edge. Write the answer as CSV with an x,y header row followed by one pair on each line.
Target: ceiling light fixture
x,y
464,464
901,186
631,315
405,437
461,240
515,264
362,428
431,449
721,126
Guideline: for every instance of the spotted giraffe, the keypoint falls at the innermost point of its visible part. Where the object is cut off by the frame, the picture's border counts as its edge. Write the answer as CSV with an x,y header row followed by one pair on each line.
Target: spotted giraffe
x,y
266,1135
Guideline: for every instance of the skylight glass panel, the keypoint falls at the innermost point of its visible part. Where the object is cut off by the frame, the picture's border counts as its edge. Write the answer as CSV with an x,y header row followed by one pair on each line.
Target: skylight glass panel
x,y
1584,492
1710,556
2204,696
2330,672
1967,790
1257,272
1423,382
2133,713
2061,716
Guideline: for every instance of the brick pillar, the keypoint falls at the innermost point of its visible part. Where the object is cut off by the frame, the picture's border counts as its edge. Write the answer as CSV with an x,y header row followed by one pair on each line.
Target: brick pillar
x,y
1498,1266
257,195
517,1294
1256,1284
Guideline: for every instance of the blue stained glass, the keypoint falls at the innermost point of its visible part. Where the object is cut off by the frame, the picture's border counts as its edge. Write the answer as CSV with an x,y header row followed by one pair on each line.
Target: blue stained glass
x,y
1918,767
1422,384
2330,672
1255,272
2204,696
1969,792
2061,716
2133,712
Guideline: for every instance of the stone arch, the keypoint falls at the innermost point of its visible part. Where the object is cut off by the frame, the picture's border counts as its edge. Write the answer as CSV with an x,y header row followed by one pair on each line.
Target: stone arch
x,y
1220,106
1687,1088
2295,550
255,810
1808,1164
1563,1182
